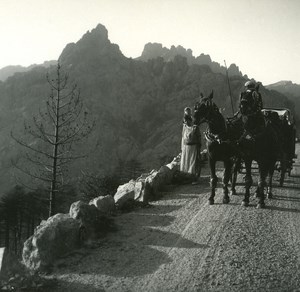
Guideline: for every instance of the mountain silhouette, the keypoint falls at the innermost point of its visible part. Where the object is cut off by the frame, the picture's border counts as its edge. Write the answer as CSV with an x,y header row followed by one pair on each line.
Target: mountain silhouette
x,y
11,70
155,50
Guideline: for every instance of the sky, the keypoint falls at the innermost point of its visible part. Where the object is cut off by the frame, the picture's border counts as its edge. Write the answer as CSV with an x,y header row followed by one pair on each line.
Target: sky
x,y
262,37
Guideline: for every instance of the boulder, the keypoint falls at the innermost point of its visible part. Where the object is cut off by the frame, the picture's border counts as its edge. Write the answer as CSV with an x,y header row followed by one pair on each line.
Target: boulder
x,y
166,173
138,188
131,193
154,183
105,204
93,223
145,194
124,194
84,212
51,239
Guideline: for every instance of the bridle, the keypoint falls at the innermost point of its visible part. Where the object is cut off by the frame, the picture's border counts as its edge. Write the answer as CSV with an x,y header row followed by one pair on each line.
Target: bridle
x,y
211,108
207,118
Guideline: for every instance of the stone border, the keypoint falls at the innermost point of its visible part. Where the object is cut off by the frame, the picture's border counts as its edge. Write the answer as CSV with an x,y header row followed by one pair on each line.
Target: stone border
x,y
62,233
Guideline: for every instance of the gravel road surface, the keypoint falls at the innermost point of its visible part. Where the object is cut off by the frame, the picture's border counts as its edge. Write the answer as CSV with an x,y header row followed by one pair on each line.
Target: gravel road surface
x,y
183,244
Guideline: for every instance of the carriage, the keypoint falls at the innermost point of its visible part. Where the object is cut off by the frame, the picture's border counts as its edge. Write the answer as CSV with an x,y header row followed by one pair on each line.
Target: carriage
x,y
283,120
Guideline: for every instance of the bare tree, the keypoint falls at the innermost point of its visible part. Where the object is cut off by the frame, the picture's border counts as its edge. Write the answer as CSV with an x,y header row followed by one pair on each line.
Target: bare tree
x,y
53,134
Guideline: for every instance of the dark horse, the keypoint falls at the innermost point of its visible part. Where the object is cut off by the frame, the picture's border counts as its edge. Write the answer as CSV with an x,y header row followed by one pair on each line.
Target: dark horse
x,y
231,140
220,145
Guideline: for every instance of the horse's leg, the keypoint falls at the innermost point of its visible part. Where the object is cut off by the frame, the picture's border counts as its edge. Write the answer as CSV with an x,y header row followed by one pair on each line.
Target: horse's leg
x,y
283,168
226,178
236,166
248,182
213,180
261,184
270,180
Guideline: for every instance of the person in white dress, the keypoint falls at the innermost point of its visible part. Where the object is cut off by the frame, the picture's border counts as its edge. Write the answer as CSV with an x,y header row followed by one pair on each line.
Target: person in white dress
x,y
190,146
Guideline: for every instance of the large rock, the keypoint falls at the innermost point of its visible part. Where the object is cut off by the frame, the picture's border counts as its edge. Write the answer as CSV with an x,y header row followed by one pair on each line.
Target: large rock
x,y
124,194
93,223
51,239
166,172
104,204
131,193
153,184
84,212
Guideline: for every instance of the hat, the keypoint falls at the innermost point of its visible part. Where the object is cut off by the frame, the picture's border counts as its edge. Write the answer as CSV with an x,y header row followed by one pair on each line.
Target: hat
x,y
250,84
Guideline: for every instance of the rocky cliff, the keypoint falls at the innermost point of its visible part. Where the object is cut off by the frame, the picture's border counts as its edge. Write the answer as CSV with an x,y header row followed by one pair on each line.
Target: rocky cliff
x,y
155,50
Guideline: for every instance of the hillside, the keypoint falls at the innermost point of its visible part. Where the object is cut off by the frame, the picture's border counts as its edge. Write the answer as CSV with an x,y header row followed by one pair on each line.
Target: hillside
x,y
11,70
286,87
292,91
137,104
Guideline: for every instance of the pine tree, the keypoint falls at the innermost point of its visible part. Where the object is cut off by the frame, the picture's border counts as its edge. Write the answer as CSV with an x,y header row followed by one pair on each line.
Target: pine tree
x,y
53,133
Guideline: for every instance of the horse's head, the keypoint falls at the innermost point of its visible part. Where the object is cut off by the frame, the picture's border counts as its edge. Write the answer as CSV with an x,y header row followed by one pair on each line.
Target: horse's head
x,y
203,108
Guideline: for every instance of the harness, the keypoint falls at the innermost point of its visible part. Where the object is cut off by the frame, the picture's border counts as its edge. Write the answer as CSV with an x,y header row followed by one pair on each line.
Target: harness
x,y
209,136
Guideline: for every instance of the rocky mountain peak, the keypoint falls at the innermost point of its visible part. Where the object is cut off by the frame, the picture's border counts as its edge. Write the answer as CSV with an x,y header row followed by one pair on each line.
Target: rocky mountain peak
x,y
99,33
93,45
155,50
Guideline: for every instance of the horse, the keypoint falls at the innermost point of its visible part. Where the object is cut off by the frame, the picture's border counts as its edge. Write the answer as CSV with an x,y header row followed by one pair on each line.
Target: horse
x,y
274,122
259,146
219,144
284,132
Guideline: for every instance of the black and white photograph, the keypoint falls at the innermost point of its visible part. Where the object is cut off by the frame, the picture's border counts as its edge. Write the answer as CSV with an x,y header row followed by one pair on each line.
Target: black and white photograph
x,y
150,145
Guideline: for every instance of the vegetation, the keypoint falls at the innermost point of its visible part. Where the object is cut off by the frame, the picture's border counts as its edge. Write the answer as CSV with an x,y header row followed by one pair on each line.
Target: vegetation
x,y
20,213
63,123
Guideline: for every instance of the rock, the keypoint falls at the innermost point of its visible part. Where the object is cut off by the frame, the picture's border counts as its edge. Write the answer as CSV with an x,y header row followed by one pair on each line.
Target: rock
x,y
51,239
154,182
138,188
124,194
131,193
166,173
105,204
82,211
145,195
93,222
142,177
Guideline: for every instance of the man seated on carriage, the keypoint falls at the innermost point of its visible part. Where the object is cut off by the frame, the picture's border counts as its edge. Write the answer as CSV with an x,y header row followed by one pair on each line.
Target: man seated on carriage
x,y
250,109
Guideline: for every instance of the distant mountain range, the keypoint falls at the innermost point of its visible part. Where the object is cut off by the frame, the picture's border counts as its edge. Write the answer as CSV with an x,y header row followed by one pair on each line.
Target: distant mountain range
x,y
286,87
137,104
155,50
289,89
8,71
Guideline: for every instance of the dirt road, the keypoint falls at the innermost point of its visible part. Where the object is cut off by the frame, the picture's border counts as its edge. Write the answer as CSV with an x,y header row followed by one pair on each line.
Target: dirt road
x,y
183,244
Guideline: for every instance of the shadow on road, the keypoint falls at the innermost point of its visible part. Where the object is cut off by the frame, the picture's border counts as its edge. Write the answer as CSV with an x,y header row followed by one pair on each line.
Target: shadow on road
x,y
139,247
293,187
281,209
285,198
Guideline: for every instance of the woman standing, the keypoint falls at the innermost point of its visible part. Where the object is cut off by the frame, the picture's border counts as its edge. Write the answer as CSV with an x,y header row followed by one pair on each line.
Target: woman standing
x,y
190,146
